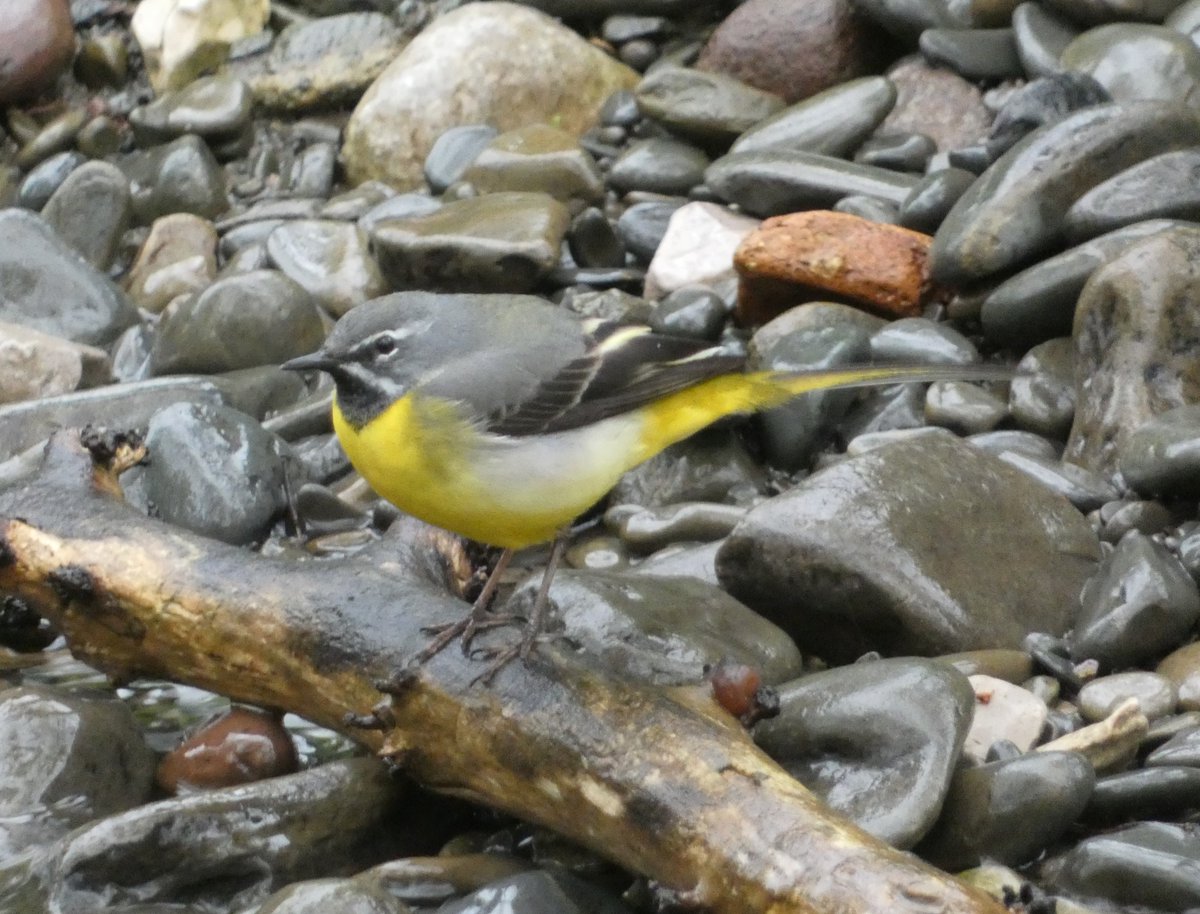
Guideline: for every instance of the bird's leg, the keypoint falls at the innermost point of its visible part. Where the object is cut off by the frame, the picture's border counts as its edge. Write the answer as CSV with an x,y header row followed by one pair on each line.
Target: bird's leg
x,y
475,621
537,616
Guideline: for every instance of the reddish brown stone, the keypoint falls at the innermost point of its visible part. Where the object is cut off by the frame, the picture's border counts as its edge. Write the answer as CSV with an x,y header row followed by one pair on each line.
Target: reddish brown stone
x,y
938,103
823,255
37,42
795,48
237,747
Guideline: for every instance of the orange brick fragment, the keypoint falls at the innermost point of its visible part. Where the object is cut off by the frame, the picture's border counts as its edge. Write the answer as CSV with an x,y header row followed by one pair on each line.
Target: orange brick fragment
x,y
823,255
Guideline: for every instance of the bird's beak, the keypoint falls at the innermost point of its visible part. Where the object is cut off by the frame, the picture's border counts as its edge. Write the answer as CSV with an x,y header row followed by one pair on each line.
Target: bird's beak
x,y
314,361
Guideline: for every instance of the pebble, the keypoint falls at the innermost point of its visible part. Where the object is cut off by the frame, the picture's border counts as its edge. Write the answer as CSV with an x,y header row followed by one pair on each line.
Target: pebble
x,y
1119,517
711,466
781,181
239,746
1082,488
1011,666
593,242
963,407
90,211
178,257
918,339
1167,64
1003,711
650,529
1182,668
1017,212
897,151
330,260
347,896
1127,360
1160,187
102,61
1041,36
39,185
57,135
216,108
460,70
953,605
976,54
536,158
47,286
326,62
998,442
822,254
1041,396
179,177
39,42
224,478
937,102
1162,455
1181,749
544,890
833,122
707,108
660,166
248,319
1162,792
1155,695
1040,103
932,198
1140,603
697,248
794,48
453,152
1009,811
1038,303
35,365
896,725
502,242
662,630
179,42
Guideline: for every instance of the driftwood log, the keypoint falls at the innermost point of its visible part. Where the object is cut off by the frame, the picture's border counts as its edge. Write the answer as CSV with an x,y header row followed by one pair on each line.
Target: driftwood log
x,y
658,780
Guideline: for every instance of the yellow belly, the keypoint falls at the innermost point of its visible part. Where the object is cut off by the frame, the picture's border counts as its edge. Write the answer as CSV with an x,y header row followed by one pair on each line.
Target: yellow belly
x,y
513,492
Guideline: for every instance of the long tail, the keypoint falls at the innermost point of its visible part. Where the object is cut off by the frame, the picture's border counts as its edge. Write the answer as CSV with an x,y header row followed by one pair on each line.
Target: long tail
x,y
681,414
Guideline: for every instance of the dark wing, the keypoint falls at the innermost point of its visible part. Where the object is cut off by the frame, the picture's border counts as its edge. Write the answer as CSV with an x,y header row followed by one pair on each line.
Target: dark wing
x,y
624,367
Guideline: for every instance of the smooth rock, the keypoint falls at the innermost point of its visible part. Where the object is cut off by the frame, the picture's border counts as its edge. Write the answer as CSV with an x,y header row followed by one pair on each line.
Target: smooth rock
x,y
1162,792
1163,186
1009,811
1154,693
932,198
709,108
1042,394
1016,210
1149,517
819,254
1082,488
69,760
815,335
178,257
697,248
39,41
460,70
214,107
777,182
453,152
1140,603
1038,303
1005,664
1151,864
213,471
897,151
658,165
963,407
1041,37
1181,749
1162,455
794,48
1136,62
90,211
976,54
1182,667
665,630
1094,12
875,741
503,242
918,339
538,892
643,226
1003,711
180,177
181,41
1042,102
238,746
711,466
698,562
346,896
536,158
997,443
248,319
47,286
834,122
1128,363
1109,745
330,260
692,311
35,365
327,62
593,241
39,185
855,558
938,103
650,529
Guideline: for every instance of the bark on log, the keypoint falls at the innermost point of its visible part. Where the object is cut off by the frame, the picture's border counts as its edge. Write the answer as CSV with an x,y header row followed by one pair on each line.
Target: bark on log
x,y
661,781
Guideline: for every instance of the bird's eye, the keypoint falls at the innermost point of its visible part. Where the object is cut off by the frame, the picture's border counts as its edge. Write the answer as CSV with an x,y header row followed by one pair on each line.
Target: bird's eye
x,y
385,345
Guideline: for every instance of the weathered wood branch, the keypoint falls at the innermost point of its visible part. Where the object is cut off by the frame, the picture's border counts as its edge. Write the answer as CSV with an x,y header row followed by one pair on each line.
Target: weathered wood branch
x,y
660,781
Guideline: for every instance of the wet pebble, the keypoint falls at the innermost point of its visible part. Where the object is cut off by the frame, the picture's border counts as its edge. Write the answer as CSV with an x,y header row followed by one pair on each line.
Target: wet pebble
x,y
539,892
1042,394
39,42
224,477
876,741
329,260
1181,749
346,896
1140,602
919,339
453,152
827,564
1155,695
658,165
650,529
90,211
40,183
35,365
239,746
1160,187
697,248
937,102
932,198
1041,102
1162,455
1009,811
1082,488
179,43
1182,667
976,54
998,442
692,311
707,108
1003,711
178,257
1137,62
963,407
179,177
536,158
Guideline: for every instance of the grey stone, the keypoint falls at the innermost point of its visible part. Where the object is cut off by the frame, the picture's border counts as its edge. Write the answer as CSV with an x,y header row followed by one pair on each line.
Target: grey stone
x,y
48,286
330,260
876,741
346,896
1042,394
857,556
1081,487
180,177
1161,792
918,339
1155,695
710,108
540,892
997,443
453,152
650,529
660,166
963,407
39,185
1137,62
1163,186
932,198
976,54
711,466
1140,603
536,158
643,225
214,107
1162,455
1041,37
90,211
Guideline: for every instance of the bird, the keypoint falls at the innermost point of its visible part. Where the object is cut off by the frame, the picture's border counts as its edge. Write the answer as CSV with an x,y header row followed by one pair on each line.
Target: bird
x,y
503,418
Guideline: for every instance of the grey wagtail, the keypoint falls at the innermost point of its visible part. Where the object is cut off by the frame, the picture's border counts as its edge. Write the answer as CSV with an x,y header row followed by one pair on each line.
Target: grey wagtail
x,y
504,418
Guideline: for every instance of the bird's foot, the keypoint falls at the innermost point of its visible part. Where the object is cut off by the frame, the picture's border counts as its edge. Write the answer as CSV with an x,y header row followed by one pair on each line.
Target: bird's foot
x,y
464,630
501,657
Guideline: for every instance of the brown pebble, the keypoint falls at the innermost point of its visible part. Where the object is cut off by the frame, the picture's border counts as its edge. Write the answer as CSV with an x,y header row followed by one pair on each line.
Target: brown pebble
x,y
236,747
820,255
734,686
37,42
